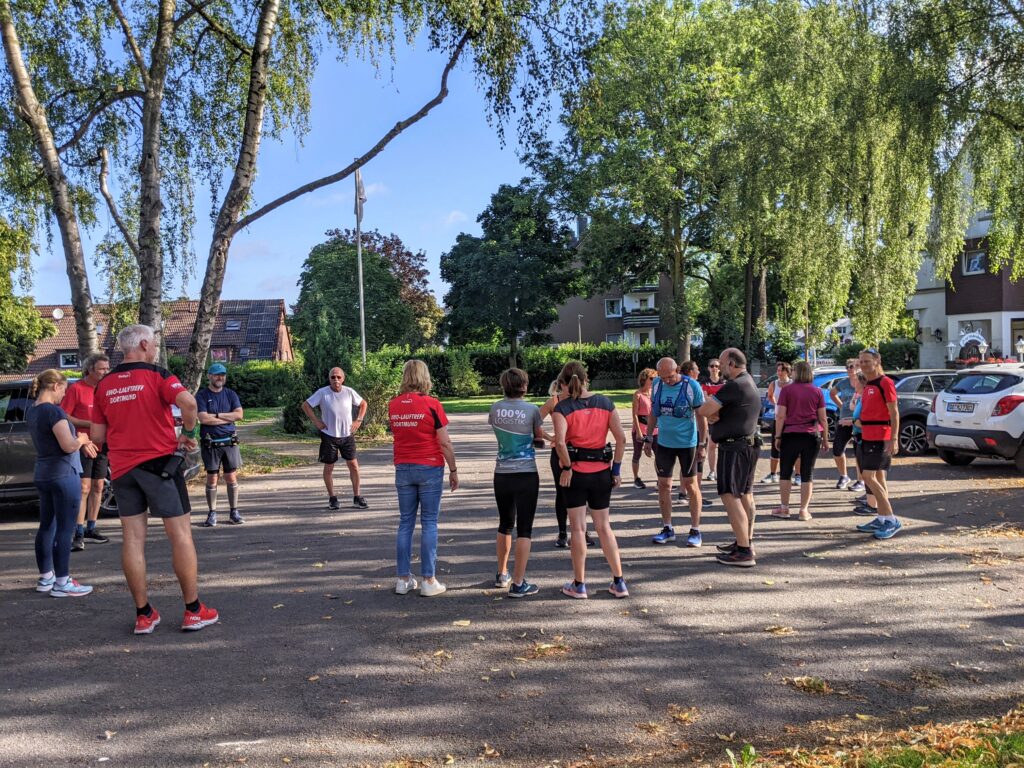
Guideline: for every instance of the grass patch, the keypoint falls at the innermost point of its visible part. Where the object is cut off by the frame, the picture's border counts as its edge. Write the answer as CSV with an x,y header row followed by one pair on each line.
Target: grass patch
x,y
623,398
260,414
257,460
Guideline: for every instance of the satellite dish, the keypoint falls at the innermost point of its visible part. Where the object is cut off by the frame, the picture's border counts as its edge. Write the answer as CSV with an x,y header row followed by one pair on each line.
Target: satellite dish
x,y
57,313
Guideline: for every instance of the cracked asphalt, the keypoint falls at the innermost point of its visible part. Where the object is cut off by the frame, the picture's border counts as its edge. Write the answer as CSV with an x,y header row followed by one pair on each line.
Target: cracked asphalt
x,y
315,661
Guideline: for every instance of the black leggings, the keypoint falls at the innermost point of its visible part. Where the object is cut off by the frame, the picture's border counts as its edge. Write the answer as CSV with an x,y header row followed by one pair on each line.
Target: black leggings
x,y
798,445
516,494
561,511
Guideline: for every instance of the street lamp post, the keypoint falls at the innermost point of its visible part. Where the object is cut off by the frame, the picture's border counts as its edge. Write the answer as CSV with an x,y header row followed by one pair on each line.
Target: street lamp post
x,y
579,333
1020,349
982,349
951,348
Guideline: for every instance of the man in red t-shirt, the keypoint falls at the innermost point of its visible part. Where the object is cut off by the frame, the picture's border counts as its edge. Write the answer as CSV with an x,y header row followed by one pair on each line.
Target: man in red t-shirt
x,y
132,413
77,403
880,426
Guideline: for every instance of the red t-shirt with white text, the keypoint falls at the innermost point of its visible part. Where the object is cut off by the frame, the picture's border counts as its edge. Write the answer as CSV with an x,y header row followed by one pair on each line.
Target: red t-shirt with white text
x,y
415,419
78,402
873,409
134,401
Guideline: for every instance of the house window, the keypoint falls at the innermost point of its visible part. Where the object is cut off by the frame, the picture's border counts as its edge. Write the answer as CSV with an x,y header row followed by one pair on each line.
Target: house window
x,y
645,303
974,263
613,307
233,325
243,352
219,355
68,359
613,338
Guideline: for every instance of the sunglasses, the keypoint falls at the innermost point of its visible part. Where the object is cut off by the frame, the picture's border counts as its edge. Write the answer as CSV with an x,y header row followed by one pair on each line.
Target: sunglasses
x,y
337,377
871,351
850,367
714,365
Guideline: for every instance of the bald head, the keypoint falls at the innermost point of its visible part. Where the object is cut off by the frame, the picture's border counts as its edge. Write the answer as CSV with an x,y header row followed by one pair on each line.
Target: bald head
x,y
733,362
668,371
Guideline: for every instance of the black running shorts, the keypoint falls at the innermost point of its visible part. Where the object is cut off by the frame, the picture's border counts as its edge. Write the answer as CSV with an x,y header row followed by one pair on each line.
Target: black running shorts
x,y
217,457
665,460
798,445
94,469
139,491
331,447
872,457
516,495
589,489
736,468
844,434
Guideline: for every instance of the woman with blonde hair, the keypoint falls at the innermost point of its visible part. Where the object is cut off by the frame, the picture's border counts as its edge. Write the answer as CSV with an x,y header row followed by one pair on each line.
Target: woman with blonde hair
x,y
419,426
589,471
58,466
556,393
641,410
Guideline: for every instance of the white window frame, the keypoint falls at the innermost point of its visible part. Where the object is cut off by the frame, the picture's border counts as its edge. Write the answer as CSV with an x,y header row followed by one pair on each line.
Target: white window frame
x,y
613,338
967,258
229,323
608,312
66,364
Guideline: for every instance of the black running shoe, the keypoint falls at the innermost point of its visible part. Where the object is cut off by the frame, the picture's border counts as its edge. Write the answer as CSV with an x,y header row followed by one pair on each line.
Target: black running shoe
x,y
638,483
236,517
78,543
562,542
358,502
95,535
726,548
736,557
333,503
592,541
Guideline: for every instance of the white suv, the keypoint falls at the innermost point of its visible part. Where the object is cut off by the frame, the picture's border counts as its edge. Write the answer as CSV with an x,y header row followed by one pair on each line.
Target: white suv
x,y
980,413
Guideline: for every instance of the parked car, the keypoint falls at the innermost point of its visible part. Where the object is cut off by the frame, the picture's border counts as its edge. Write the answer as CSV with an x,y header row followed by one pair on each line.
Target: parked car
x,y
980,414
823,377
18,454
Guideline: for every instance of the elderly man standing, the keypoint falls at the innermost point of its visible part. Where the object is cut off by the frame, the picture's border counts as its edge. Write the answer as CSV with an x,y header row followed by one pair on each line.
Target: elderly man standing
x,y
732,413
682,435
78,403
132,413
337,426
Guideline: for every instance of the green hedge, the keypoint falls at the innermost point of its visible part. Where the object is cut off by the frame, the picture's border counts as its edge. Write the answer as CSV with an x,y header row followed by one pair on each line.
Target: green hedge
x,y
896,354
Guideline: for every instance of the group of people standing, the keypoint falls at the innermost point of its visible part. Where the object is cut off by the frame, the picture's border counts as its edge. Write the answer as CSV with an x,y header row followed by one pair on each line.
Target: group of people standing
x,y
123,415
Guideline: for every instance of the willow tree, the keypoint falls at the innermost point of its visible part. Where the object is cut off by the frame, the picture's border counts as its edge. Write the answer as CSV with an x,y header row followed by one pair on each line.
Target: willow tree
x,y
961,68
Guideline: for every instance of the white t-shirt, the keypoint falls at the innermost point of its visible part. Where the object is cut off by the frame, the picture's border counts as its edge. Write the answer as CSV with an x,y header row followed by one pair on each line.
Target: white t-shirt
x,y
336,409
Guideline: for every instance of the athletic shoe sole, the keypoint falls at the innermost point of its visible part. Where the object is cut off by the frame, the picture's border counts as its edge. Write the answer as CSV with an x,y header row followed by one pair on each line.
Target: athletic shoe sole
x,y
199,625
737,563
574,594
620,595
44,588
149,630
58,592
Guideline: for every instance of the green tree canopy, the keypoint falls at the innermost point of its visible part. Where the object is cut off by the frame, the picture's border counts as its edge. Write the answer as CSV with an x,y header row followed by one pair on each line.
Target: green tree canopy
x,y
511,280
21,323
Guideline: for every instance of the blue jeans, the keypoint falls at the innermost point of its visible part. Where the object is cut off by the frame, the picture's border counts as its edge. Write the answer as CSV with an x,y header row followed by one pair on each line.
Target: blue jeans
x,y
419,487
58,512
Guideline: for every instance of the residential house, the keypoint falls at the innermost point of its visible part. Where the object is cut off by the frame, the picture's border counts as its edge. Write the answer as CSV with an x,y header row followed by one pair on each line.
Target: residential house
x,y
244,330
633,315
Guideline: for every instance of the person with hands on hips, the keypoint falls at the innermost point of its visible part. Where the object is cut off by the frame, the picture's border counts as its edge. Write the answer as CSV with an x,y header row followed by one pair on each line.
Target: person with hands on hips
x,y
337,429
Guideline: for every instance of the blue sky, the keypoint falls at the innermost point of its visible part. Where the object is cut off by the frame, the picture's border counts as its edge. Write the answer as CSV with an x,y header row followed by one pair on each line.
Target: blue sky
x,y
428,185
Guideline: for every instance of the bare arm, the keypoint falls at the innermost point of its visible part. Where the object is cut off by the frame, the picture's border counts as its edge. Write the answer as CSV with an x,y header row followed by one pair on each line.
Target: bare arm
x,y
565,476
359,416
780,421
545,411
448,451
833,394
615,425
636,413
311,415
893,446
823,423
189,418
79,423
771,393
709,410
69,443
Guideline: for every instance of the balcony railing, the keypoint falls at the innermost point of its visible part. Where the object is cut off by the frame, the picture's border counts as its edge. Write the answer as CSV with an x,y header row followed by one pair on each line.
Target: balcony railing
x,y
641,318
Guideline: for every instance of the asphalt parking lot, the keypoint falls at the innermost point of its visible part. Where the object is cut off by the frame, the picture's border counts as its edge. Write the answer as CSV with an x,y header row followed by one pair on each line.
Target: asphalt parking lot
x,y
316,662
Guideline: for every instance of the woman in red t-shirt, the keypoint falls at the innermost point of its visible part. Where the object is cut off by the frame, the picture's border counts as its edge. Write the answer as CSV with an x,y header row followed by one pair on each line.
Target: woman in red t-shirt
x,y
422,446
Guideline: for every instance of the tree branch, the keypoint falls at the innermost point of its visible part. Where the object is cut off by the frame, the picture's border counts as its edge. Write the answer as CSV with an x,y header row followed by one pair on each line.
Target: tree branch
x,y
192,11
213,24
112,206
359,162
129,38
95,112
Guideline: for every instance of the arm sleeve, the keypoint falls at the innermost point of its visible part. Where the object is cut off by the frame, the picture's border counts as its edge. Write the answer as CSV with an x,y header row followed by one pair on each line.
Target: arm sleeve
x,y
98,416
170,388
728,394
314,400
440,417
70,399
356,399
698,395
235,400
782,398
202,403
888,390
537,419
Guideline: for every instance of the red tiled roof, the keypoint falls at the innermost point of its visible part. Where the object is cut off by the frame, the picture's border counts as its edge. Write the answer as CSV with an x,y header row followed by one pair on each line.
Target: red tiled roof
x,y
259,330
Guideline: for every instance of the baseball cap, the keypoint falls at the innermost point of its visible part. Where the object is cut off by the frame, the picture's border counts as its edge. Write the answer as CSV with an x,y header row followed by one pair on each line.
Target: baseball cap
x,y
217,368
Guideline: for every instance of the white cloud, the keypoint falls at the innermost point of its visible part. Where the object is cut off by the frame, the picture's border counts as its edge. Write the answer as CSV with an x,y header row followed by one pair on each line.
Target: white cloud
x,y
455,217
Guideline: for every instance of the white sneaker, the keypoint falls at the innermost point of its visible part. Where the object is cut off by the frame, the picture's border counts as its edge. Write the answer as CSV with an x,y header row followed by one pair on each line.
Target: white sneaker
x,y
432,588
770,478
712,477
403,587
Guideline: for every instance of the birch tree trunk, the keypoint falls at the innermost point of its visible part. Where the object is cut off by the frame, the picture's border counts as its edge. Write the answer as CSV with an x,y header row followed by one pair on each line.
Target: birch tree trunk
x,y
151,265
32,112
748,303
237,193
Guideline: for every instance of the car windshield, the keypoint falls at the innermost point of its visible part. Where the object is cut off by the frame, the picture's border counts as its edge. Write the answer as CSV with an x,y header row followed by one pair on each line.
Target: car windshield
x,y
983,383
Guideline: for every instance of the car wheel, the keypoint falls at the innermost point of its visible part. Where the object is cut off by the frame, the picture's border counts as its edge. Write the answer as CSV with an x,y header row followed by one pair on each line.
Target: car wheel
x,y
1019,461
956,459
913,438
108,502
831,419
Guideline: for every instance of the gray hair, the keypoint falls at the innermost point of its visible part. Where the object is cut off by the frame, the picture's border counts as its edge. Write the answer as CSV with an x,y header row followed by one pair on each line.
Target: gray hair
x,y
132,336
90,362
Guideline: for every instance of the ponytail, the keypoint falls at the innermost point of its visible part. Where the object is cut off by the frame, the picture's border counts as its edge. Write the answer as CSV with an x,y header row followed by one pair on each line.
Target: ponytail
x,y
48,379
574,377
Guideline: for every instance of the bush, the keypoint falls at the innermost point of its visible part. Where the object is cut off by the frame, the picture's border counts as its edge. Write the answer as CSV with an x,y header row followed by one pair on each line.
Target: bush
x,y
898,354
377,381
265,383
464,380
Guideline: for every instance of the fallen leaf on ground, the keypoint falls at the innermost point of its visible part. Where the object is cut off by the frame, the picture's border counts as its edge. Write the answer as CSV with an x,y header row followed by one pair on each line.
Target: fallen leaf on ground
x,y
775,629
866,718
768,582
489,752
461,623
318,565
682,715
109,734
313,678
808,684
278,605
723,737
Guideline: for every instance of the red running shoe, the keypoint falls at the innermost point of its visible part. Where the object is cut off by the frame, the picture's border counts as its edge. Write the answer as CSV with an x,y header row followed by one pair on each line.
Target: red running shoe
x,y
204,617
144,625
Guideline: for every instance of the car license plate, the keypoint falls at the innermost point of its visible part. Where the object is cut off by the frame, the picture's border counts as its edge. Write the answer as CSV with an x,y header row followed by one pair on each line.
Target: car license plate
x,y
959,407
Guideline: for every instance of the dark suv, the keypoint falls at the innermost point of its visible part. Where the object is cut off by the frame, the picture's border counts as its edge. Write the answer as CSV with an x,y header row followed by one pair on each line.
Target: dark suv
x,y
18,454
